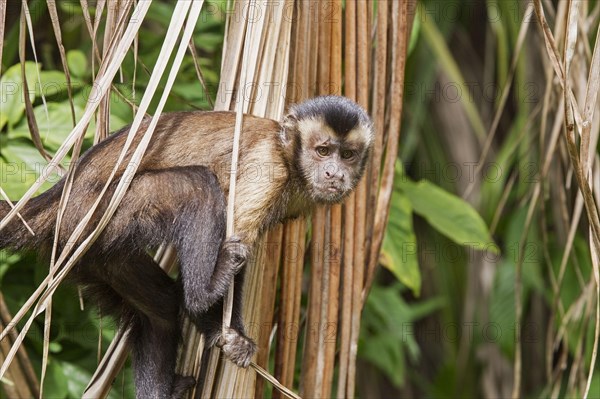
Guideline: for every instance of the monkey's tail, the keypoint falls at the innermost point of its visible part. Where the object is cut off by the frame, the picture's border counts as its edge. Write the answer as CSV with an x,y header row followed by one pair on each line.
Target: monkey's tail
x,y
40,215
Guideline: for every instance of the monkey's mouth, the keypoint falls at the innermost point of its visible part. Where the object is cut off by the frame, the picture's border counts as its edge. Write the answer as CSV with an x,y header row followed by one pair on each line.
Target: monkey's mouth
x,y
329,194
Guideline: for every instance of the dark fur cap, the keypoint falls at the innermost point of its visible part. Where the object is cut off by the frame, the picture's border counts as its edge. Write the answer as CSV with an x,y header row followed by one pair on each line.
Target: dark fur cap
x,y
340,113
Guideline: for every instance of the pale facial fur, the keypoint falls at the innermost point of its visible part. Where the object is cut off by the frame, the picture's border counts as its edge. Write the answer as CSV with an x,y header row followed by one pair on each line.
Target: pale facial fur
x,y
334,138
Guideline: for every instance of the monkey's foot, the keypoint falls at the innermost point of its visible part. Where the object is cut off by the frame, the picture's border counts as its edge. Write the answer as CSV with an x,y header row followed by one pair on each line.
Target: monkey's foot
x,y
181,385
237,347
236,252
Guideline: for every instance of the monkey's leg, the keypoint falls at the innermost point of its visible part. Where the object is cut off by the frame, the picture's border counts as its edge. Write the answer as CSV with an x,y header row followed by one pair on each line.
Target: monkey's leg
x,y
154,332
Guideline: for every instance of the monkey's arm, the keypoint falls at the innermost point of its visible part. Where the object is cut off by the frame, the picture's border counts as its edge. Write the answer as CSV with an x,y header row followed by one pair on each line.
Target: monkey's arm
x,y
208,262
203,298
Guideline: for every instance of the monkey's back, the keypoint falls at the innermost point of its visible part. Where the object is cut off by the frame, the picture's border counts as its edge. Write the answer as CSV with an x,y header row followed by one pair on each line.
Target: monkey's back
x,y
183,139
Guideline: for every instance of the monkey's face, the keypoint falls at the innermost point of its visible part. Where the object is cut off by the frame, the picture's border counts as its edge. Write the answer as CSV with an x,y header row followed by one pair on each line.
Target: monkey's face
x,y
333,137
331,167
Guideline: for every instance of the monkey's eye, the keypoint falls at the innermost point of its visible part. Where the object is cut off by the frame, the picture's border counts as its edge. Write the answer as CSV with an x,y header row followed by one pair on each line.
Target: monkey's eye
x,y
323,151
347,154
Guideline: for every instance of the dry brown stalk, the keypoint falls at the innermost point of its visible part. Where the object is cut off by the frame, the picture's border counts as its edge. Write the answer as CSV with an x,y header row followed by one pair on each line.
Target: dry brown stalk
x,y
379,102
23,381
288,329
2,27
311,381
267,306
308,384
61,49
360,205
334,250
401,22
349,211
25,27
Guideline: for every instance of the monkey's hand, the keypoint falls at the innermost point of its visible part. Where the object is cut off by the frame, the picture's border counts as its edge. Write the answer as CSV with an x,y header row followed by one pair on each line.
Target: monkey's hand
x,y
237,347
181,385
235,253
232,257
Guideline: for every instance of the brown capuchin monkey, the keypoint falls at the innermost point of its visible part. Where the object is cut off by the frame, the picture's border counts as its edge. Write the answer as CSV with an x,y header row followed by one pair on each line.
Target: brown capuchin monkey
x,y
316,155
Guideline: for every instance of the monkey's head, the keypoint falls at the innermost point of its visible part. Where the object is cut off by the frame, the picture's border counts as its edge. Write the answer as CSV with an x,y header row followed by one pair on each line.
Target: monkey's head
x,y
328,141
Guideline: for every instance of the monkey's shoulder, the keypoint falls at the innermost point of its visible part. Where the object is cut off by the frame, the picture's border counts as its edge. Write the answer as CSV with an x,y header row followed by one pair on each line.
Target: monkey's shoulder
x,y
204,122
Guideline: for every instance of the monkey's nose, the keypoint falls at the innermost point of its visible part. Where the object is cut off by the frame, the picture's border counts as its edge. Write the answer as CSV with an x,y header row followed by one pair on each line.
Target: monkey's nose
x,y
334,175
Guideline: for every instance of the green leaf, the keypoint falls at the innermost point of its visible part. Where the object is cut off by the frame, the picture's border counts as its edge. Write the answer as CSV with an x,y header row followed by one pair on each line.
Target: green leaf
x,y
56,384
54,128
53,83
388,332
6,260
448,214
78,379
385,353
57,125
21,164
502,307
595,385
399,249
416,29
12,104
78,64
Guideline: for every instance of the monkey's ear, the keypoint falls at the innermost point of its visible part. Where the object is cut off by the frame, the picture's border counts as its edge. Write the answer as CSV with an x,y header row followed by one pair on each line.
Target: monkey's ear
x,y
289,126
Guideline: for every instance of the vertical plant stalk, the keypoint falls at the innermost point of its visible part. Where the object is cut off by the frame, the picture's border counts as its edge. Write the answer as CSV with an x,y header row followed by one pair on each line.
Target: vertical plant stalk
x,y
229,380
27,26
379,102
110,32
401,35
348,209
334,250
273,251
276,48
363,50
313,382
232,53
288,331
199,73
290,300
2,28
63,57
587,157
235,153
23,381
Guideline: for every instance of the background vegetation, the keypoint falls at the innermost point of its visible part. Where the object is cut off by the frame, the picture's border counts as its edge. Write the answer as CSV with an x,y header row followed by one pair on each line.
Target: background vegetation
x,y
488,275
